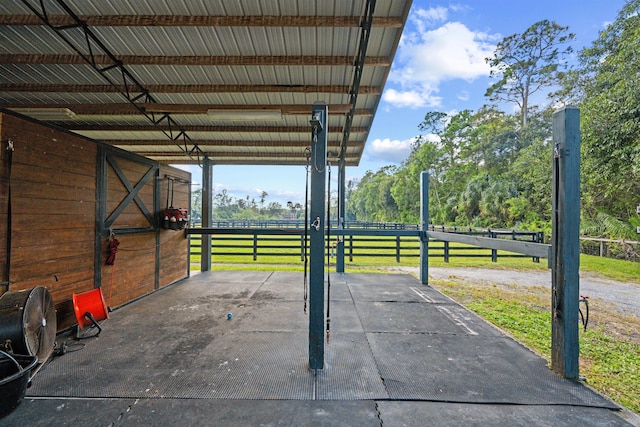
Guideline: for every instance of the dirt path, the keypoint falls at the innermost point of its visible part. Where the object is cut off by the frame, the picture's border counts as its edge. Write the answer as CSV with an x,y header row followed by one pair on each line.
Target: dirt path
x,y
623,297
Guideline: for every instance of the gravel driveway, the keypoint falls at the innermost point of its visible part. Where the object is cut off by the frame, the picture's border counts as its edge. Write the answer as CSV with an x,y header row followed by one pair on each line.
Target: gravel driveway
x,y
624,297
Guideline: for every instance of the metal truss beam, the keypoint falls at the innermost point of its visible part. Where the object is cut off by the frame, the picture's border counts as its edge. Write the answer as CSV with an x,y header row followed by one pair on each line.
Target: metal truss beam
x,y
113,71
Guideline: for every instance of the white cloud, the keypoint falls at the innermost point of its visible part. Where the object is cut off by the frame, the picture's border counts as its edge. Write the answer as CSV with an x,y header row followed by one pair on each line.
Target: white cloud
x,y
449,52
389,150
422,18
274,194
411,98
434,51
283,194
464,95
460,8
431,137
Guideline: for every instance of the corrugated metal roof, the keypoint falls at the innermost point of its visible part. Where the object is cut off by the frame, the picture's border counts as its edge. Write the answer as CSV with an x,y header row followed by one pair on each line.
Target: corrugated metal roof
x,y
196,55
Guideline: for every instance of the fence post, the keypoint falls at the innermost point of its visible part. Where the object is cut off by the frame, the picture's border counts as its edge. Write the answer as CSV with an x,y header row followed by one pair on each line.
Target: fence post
x,y
494,252
319,133
397,249
341,216
424,226
565,279
446,252
538,239
255,247
351,248
207,200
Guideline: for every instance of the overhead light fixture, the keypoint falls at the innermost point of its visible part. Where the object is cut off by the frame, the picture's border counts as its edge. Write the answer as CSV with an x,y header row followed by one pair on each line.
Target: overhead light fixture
x,y
46,113
245,115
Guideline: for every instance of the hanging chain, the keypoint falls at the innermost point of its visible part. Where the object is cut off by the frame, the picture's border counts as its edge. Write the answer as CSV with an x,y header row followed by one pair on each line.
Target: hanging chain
x,y
315,131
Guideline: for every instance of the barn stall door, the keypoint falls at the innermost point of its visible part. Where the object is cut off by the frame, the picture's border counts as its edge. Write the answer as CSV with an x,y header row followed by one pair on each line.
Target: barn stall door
x,y
127,204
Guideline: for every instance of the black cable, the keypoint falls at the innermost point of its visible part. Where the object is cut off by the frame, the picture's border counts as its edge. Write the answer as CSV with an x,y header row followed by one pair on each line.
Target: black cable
x,y
585,319
306,229
168,190
7,267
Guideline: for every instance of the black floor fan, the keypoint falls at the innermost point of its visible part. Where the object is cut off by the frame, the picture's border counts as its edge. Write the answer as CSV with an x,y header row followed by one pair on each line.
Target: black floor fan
x,y
28,323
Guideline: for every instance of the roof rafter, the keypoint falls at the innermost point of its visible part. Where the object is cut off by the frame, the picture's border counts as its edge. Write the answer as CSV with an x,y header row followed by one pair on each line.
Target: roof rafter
x,y
128,109
233,155
228,143
204,21
198,128
242,161
189,88
304,60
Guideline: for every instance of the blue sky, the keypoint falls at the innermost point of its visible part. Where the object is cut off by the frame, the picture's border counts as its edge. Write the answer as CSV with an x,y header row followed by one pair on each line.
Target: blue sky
x,y
439,66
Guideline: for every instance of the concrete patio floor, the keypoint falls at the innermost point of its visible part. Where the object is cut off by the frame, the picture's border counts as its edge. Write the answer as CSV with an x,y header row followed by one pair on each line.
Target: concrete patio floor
x,y
400,353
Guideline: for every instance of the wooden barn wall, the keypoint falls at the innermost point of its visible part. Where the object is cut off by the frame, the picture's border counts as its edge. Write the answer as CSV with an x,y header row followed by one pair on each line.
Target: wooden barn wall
x,y
53,204
60,208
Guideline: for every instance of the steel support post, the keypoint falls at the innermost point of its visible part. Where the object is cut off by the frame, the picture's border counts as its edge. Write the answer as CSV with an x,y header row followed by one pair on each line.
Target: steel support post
x,y
317,234
207,204
424,227
565,264
341,216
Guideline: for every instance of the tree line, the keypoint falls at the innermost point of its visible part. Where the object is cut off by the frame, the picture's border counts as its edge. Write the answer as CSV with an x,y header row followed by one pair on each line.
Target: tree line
x,y
226,206
491,168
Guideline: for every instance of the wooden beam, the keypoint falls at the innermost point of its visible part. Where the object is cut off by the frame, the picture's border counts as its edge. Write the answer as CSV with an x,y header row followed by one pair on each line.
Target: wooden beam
x,y
260,60
190,88
251,162
261,162
284,108
198,128
225,143
204,21
130,109
232,154
540,250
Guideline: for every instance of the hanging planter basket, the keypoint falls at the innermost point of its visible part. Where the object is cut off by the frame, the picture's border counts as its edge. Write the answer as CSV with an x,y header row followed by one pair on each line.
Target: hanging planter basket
x,y
173,218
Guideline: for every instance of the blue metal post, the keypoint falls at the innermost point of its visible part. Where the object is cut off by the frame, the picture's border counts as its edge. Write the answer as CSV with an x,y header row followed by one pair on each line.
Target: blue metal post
x,y
565,265
424,226
317,235
207,204
341,216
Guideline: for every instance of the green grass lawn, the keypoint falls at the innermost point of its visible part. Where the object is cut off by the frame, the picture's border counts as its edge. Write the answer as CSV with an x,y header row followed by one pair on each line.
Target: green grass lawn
x,y
291,258
613,269
367,253
609,361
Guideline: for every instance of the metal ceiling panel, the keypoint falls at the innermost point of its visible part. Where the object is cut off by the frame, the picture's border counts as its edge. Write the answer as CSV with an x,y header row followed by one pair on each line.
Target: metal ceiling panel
x,y
186,58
